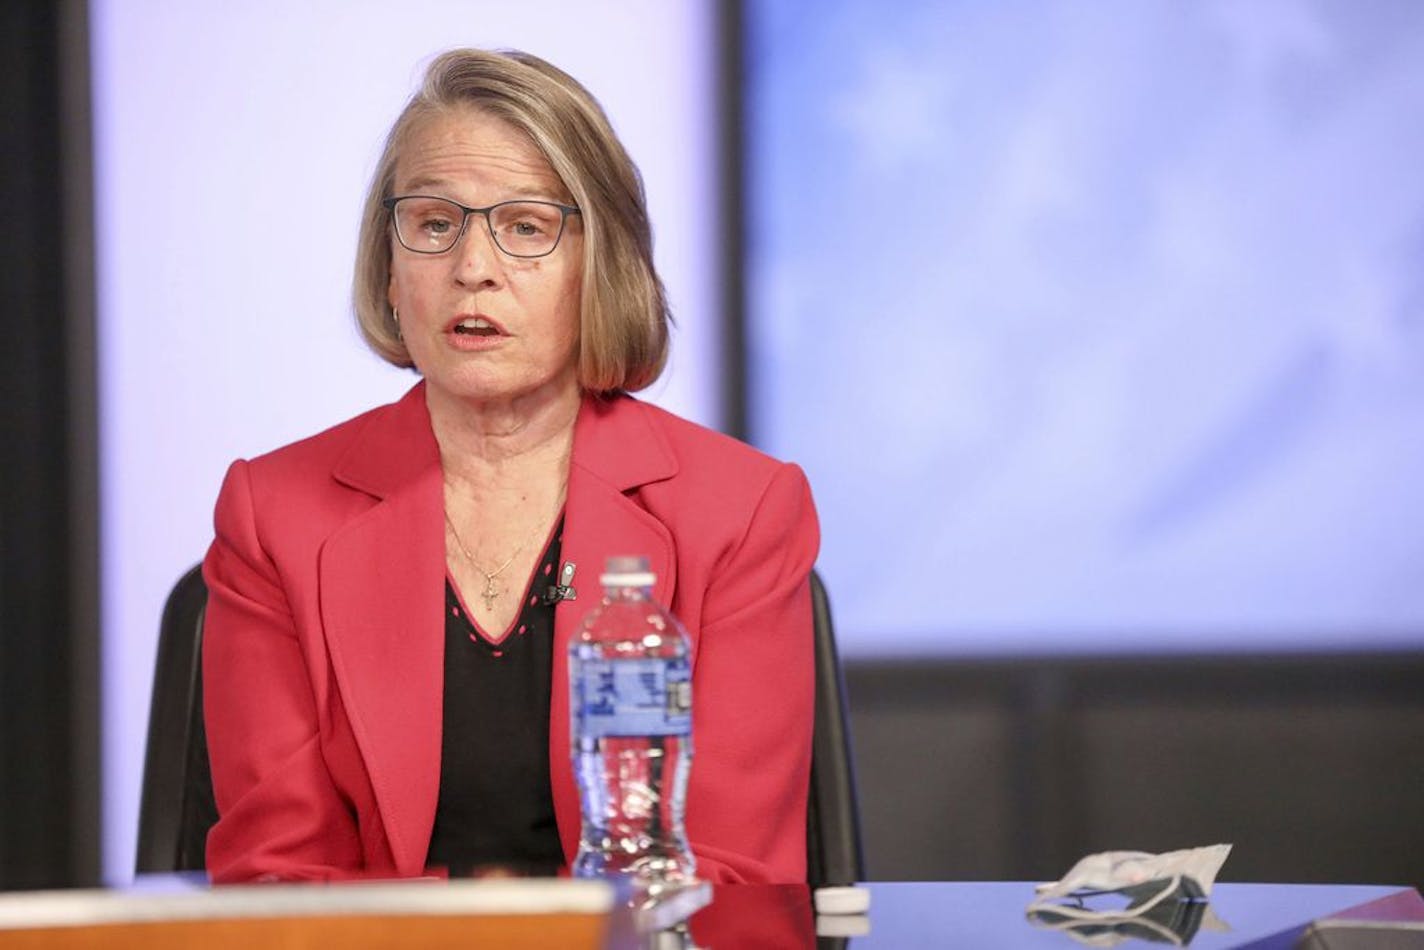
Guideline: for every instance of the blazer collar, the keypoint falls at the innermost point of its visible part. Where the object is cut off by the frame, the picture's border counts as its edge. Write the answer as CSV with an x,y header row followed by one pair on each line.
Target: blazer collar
x,y
617,449
395,446
382,575
614,440
382,605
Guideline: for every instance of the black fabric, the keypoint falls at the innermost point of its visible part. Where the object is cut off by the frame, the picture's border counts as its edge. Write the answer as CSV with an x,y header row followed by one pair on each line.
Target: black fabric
x,y
496,806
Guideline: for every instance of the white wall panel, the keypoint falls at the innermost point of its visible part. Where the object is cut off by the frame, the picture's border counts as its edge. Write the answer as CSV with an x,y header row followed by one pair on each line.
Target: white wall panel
x,y
1097,326
221,336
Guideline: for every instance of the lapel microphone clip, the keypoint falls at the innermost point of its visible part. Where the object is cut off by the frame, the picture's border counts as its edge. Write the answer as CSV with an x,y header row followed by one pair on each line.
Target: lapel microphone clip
x,y
564,589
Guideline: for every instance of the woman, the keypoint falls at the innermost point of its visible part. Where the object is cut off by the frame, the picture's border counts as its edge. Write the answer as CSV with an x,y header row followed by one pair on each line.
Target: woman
x,y
385,685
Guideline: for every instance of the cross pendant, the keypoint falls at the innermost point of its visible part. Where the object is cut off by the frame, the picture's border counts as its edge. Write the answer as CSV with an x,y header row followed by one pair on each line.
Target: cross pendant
x,y
490,594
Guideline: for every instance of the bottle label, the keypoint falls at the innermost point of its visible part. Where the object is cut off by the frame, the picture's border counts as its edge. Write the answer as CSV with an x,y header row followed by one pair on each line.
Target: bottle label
x,y
643,696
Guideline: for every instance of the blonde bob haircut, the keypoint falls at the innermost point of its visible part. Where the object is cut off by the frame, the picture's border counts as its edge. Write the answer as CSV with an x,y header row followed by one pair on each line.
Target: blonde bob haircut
x,y
623,329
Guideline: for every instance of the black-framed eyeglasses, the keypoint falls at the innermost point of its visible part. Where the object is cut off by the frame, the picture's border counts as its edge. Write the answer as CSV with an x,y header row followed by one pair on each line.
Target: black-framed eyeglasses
x,y
427,224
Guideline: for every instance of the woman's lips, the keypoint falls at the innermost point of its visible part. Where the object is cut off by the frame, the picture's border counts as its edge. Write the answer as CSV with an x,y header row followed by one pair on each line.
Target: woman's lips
x,y
475,325
473,332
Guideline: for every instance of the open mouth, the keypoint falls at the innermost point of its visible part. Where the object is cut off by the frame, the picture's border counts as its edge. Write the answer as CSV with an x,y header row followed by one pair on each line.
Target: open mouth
x,y
476,326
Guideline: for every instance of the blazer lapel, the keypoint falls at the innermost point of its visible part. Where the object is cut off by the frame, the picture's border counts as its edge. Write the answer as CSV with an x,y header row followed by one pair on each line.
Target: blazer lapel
x,y
616,450
381,599
382,576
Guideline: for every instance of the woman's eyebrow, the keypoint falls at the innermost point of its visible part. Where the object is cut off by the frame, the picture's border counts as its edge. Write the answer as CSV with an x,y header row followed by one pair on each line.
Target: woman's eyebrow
x,y
425,182
416,185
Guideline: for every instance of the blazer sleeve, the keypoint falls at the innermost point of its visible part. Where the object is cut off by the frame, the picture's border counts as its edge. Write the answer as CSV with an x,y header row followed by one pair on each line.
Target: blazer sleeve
x,y
280,815
754,696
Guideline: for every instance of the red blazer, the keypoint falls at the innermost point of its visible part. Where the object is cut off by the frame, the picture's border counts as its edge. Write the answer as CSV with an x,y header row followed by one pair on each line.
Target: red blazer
x,y
323,653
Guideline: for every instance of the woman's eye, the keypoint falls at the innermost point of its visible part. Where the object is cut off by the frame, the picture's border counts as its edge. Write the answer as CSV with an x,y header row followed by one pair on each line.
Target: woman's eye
x,y
525,228
436,226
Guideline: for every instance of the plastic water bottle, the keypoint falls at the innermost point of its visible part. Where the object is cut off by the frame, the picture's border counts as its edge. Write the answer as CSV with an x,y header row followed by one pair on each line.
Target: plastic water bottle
x,y
631,706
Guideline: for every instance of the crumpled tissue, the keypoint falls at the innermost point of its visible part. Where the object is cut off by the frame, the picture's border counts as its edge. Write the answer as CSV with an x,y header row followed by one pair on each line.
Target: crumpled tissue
x,y
1166,896
1112,870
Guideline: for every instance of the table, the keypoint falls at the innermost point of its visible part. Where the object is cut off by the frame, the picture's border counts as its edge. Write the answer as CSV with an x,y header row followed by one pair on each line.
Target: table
x,y
962,914
174,912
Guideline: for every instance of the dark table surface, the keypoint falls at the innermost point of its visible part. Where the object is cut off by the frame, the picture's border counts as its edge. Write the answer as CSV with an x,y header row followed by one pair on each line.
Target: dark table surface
x,y
992,914
746,917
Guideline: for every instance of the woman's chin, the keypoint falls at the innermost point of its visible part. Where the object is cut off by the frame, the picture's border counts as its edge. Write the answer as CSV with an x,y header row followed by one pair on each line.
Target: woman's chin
x,y
488,389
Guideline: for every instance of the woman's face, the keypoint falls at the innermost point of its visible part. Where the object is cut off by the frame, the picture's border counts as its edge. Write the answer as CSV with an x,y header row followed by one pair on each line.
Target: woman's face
x,y
482,326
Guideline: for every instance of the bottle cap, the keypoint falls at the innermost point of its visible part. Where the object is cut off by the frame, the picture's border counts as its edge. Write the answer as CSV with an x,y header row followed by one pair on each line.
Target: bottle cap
x,y
627,571
841,900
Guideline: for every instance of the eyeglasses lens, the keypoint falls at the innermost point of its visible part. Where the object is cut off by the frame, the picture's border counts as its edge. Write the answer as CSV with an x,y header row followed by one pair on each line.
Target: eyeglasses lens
x,y
519,228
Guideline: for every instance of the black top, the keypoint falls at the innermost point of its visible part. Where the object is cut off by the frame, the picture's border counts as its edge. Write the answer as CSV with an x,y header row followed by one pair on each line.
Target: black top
x,y
496,805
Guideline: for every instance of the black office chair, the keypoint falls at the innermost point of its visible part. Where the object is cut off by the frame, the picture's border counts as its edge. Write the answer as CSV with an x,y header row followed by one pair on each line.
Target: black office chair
x,y
833,854
177,807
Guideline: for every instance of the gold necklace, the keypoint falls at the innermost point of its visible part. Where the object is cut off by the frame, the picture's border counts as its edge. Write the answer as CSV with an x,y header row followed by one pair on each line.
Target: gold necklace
x,y
492,590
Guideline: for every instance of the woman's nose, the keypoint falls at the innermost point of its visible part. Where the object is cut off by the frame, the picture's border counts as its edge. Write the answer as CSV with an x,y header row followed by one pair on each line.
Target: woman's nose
x,y
477,259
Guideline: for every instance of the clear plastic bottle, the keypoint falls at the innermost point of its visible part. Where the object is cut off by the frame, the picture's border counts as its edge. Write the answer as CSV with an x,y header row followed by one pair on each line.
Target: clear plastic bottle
x,y
631,707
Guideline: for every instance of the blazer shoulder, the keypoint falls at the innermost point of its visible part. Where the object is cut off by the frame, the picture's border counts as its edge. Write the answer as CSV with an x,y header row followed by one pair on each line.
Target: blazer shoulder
x,y
730,508
292,497
372,452
320,450
724,475
693,443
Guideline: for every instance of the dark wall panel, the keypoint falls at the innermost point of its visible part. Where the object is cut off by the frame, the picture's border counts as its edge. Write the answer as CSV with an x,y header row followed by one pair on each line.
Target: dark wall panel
x,y
1313,767
48,640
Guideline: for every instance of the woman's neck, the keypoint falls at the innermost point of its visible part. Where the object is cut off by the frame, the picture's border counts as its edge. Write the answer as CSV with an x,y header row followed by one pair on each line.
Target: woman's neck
x,y
506,470
510,445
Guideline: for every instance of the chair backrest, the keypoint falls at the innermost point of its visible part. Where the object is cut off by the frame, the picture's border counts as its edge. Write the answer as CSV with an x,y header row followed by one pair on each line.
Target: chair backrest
x,y
177,806
833,849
